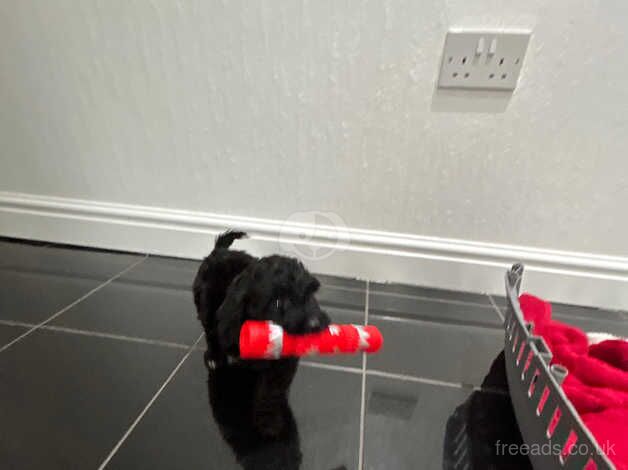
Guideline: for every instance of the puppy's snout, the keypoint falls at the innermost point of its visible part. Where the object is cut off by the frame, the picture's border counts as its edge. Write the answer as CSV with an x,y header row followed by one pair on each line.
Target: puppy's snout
x,y
317,323
322,321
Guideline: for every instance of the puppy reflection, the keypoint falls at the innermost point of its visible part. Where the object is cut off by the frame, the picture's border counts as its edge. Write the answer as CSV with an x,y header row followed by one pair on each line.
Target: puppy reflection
x,y
485,419
231,392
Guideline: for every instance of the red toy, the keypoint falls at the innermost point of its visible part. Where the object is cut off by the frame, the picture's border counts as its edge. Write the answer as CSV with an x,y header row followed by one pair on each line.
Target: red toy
x,y
267,340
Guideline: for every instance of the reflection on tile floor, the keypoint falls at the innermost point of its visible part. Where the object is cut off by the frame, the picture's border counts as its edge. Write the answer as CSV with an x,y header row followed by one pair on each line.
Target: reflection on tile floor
x,y
72,389
201,421
456,427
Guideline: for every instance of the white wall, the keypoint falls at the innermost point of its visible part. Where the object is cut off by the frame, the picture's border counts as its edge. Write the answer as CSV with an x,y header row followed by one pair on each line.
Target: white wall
x,y
264,108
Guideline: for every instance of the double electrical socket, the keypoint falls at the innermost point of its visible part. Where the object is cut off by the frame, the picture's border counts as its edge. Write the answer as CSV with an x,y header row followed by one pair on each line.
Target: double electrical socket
x,y
483,60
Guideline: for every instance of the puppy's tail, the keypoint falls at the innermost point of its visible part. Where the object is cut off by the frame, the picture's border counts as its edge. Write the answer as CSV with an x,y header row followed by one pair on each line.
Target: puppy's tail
x,y
225,239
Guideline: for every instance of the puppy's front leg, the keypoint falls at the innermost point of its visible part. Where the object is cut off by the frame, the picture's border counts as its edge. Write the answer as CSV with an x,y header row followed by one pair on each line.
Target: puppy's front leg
x,y
271,397
214,355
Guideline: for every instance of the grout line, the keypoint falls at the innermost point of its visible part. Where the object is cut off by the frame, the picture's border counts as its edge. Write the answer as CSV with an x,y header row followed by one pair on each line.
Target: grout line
x,y
432,299
98,334
497,309
132,339
412,296
148,405
321,365
337,287
411,378
446,321
68,307
400,377
49,272
16,323
363,386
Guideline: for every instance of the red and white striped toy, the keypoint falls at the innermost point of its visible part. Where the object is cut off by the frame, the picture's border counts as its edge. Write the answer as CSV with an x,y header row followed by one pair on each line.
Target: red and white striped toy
x,y
267,340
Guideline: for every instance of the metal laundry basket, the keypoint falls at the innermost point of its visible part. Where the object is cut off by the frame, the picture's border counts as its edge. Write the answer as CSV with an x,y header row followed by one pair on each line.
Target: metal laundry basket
x,y
547,420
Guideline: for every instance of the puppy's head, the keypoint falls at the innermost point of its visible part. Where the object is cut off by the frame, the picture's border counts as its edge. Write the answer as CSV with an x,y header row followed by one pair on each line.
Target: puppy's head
x,y
274,288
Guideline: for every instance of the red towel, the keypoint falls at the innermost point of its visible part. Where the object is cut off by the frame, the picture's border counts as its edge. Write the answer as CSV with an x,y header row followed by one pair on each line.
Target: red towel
x,y
597,383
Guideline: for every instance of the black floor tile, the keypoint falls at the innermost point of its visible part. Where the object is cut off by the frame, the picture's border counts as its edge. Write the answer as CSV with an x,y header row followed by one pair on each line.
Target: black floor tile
x,y
412,425
63,262
429,293
440,351
440,310
343,282
36,282
32,298
165,272
332,297
9,332
181,431
67,399
129,308
349,294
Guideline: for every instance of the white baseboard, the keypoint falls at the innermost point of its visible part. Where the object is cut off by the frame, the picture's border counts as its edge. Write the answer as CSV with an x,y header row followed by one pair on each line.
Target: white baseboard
x,y
577,278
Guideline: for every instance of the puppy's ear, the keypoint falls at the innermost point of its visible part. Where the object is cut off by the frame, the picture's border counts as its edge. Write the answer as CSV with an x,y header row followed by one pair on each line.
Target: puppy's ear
x,y
312,285
231,314
305,284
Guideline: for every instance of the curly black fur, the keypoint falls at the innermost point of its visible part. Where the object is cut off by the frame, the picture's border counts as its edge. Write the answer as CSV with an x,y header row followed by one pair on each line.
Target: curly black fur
x,y
232,287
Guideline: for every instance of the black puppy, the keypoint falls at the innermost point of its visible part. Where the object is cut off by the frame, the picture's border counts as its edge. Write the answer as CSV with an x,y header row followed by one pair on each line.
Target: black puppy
x,y
232,287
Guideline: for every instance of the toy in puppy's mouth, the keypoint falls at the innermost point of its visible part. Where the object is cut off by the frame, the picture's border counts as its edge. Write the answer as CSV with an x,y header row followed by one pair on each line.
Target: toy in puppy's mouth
x,y
268,340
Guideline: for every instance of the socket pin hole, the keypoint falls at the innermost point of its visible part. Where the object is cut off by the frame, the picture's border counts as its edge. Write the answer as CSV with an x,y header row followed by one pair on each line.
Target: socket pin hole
x,y
455,74
464,60
466,75
503,76
501,61
491,75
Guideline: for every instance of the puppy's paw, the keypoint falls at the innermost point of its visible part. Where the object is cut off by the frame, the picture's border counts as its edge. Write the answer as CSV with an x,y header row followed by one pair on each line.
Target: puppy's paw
x,y
214,361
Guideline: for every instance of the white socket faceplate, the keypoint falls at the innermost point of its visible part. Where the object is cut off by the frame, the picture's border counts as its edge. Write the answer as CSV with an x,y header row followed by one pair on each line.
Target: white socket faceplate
x,y
483,60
